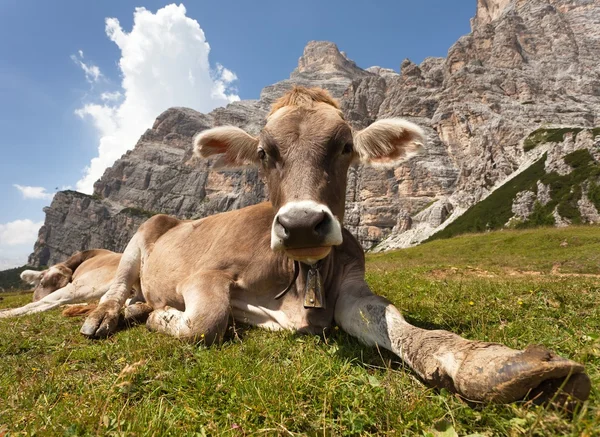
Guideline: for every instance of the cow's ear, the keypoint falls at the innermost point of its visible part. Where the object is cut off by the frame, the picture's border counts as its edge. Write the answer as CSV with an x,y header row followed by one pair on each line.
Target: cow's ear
x,y
32,277
236,147
389,141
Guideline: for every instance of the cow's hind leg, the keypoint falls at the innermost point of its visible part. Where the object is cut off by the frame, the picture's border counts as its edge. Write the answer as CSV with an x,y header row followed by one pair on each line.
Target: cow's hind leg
x,y
137,313
206,312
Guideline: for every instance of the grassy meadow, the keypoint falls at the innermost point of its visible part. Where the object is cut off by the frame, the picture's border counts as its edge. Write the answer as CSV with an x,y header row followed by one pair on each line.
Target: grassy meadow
x,y
515,287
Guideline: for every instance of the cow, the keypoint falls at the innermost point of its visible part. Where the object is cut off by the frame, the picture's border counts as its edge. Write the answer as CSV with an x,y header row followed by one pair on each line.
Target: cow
x,y
290,264
84,277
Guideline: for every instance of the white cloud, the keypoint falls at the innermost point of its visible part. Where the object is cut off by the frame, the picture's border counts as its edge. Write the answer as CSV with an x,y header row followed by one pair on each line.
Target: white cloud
x,y
164,63
16,241
227,76
111,97
92,72
33,192
19,232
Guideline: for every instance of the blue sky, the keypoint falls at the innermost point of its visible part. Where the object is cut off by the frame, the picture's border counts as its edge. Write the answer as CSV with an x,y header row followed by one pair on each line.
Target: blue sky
x,y
63,91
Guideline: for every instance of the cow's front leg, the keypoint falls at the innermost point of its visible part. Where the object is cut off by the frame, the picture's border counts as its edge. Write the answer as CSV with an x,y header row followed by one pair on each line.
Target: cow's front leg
x,y
206,313
478,371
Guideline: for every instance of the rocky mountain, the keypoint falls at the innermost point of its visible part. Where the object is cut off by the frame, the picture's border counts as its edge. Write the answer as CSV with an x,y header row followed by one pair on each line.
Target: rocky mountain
x,y
527,68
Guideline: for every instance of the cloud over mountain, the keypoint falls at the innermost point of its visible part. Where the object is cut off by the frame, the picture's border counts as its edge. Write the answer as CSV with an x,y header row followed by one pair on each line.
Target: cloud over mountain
x,y
164,63
29,192
16,238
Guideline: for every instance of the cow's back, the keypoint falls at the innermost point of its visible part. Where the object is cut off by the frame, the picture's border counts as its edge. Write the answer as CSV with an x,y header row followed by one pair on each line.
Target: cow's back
x,y
100,268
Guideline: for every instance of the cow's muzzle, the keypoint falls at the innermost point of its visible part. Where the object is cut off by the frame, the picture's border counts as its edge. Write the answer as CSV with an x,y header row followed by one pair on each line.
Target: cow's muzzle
x,y
40,292
305,230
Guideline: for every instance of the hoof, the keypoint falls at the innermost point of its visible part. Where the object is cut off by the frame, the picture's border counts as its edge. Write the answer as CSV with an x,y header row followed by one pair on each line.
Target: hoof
x,y
137,313
562,392
498,374
103,321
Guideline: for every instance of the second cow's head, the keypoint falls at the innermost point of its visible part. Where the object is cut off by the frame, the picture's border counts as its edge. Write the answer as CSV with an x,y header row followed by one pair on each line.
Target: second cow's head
x,y
47,281
304,152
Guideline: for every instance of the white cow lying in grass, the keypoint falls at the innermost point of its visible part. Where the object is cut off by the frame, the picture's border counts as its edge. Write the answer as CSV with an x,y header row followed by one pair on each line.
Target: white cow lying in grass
x,y
84,277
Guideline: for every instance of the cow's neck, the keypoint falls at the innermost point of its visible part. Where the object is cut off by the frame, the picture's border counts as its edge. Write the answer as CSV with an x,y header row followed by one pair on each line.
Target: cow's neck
x,y
312,282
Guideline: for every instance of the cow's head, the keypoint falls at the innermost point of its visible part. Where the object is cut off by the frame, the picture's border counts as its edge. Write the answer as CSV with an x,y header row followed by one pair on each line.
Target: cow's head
x,y
47,281
304,152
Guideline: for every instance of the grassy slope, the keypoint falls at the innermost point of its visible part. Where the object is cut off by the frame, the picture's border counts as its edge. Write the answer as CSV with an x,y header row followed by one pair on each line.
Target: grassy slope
x,y
495,210
55,382
565,191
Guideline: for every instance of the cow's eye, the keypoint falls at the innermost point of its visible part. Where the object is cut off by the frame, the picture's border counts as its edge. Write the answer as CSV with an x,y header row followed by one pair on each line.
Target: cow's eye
x,y
262,154
347,148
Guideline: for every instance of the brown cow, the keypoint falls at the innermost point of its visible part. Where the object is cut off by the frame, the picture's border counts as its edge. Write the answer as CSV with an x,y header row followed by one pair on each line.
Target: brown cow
x,y
84,277
195,274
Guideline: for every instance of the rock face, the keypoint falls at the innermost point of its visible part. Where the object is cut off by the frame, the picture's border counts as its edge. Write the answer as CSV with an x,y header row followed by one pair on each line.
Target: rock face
x,y
573,161
82,221
488,11
523,204
526,64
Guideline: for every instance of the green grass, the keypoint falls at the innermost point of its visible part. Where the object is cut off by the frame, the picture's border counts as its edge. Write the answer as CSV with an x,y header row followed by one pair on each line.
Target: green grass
x,y
594,194
493,287
503,251
548,135
565,191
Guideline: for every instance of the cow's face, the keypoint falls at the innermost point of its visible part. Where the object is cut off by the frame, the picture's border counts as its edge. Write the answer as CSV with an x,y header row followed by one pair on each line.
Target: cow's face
x,y
304,153
47,281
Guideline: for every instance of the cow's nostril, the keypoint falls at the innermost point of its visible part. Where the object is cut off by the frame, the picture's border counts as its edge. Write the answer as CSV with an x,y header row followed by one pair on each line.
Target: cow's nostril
x,y
282,227
322,226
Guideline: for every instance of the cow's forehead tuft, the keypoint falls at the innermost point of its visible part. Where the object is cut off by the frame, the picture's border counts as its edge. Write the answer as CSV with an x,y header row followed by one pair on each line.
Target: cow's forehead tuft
x,y
300,96
313,125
